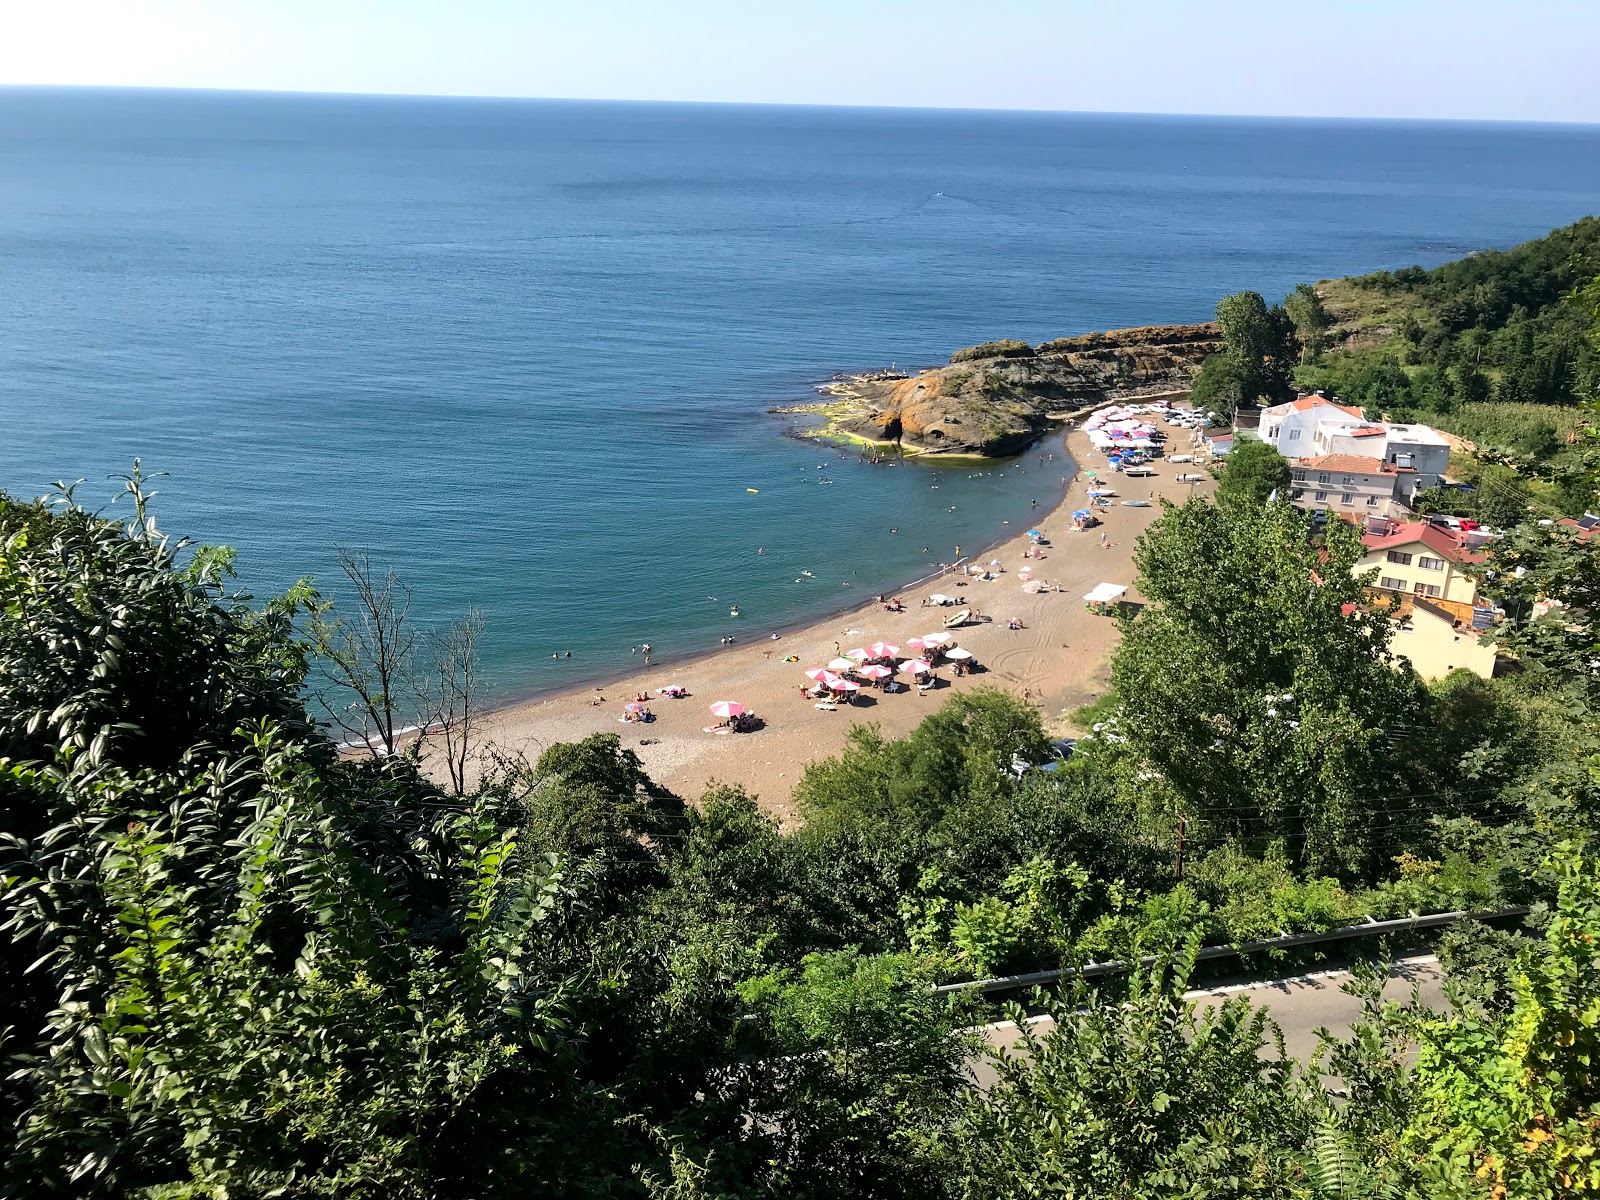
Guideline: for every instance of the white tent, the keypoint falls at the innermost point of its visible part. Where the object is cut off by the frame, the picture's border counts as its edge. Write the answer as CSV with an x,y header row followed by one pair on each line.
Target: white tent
x,y
1105,593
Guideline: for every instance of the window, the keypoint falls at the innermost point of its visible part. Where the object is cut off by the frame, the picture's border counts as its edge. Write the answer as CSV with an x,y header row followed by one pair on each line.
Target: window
x,y
1346,498
1320,496
1372,502
1430,564
1294,435
1347,481
1399,559
1393,584
1322,477
1299,476
1427,589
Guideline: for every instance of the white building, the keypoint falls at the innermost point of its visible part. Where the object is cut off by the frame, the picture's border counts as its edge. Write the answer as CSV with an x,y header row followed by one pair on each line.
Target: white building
x,y
1289,428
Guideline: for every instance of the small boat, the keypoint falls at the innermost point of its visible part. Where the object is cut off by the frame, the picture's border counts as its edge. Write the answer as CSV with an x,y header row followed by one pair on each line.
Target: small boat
x,y
958,619
1136,504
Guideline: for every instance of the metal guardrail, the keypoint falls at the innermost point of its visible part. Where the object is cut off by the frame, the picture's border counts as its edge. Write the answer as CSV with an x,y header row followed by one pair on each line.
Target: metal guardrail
x,y
1368,928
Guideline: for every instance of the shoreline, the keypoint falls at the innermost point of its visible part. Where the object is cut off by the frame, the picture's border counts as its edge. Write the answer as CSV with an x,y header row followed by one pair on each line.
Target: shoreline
x,y
567,690
1057,659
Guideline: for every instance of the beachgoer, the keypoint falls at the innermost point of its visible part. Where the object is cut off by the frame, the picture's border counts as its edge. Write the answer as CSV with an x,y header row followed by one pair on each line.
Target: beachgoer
x,y
1033,504
568,654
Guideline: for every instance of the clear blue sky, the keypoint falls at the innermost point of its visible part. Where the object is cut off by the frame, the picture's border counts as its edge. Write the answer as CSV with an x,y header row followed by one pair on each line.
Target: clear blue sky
x,y
1494,59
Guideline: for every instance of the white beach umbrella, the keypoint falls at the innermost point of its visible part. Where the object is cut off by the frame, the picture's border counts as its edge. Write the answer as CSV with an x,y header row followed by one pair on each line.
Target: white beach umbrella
x,y
842,664
957,652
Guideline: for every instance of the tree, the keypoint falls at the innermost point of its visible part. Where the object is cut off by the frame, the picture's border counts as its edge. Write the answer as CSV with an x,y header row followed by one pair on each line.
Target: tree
x,y
374,688
1259,687
455,704
1260,342
1251,473
1310,318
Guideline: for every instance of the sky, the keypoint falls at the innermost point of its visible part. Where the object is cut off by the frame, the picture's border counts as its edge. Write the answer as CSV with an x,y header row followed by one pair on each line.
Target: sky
x,y
1464,59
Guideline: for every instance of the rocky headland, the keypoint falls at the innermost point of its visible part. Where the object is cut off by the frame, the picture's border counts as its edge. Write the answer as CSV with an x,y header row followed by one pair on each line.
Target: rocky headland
x,y
993,400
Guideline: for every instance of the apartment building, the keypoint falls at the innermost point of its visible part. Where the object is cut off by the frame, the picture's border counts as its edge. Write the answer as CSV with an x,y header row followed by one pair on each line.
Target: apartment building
x,y
1351,485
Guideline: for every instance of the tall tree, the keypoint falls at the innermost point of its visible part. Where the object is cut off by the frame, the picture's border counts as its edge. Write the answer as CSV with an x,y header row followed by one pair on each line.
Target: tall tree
x,y
1251,473
1311,320
1258,686
1259,348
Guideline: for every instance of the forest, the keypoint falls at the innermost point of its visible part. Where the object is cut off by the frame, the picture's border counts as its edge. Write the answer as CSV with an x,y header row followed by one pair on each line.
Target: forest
x,y
243,963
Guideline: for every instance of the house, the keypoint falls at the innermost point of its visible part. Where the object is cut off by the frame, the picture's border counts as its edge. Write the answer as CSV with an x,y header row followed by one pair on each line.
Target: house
x,y
1218,444
1417,559
1422,448
1425,451
1349,484
1436,643
1288,427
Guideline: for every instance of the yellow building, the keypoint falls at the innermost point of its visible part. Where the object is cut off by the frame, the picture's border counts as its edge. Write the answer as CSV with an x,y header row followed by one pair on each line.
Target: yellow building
x,y
1416,559
1433,643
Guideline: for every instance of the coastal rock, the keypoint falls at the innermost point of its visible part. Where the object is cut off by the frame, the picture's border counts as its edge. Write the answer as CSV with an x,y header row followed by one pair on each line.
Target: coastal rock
x,y
997,398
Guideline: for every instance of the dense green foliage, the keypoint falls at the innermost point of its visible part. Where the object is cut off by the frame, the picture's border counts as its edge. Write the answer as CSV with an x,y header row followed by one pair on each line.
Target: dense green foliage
x,y
241,965
1005,348
1251,473
1259,347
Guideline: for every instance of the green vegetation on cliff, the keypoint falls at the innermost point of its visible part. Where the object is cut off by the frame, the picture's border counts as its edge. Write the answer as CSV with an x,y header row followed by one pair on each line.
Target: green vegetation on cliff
x,y
1499,348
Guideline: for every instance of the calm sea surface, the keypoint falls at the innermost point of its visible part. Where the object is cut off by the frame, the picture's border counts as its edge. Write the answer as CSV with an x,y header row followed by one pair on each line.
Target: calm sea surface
x,y
523,350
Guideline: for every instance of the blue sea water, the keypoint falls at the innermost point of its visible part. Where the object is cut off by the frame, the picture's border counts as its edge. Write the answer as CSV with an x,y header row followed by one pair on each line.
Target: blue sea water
x,y
523,351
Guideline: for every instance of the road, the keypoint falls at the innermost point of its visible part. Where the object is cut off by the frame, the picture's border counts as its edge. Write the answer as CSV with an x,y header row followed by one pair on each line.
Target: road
x,y
1299,1004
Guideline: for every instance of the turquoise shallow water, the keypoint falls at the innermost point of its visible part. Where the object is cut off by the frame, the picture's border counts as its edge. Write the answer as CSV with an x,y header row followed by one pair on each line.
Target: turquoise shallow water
x,y
523,351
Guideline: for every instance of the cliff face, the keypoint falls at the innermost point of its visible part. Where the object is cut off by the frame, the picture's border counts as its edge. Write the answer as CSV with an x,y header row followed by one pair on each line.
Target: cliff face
x,y
997,398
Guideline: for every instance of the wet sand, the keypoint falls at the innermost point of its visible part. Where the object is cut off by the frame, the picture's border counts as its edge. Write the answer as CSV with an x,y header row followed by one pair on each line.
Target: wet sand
x,y
1058,660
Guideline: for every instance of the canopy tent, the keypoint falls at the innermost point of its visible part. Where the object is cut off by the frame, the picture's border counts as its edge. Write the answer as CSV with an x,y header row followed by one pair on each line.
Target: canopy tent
x,y
1105,593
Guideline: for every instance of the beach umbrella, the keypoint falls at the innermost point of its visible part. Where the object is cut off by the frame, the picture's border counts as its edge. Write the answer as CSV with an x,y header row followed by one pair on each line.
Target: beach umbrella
x,y
1034,533
876,672
883,650
934,640
858,654
845,685
958,652
633,708
842,664
816,673
728,708
915,643
916,666
1081,514
1034,585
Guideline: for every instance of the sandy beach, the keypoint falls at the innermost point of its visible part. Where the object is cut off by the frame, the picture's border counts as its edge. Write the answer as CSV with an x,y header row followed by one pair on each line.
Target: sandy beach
x,y
1057,660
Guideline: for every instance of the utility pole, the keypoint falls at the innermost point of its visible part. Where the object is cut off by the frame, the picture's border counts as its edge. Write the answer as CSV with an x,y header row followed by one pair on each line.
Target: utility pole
x,y
1177,865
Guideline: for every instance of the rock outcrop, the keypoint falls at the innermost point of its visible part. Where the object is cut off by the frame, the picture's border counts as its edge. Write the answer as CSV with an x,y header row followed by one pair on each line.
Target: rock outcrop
x,y
997,398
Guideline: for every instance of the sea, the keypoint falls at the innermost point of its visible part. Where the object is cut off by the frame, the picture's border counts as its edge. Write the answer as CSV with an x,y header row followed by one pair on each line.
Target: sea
x,y
524,352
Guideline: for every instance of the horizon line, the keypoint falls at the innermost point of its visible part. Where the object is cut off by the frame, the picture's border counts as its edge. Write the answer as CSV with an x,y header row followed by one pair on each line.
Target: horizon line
x,y
794,104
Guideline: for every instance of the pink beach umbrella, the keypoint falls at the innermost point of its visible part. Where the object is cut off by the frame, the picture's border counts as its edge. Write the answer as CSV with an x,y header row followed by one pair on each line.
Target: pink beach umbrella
x,y
829,679
845,685
934,640
842,664
816,673
916,666
858,654
882,650
915,644
728,708
876,672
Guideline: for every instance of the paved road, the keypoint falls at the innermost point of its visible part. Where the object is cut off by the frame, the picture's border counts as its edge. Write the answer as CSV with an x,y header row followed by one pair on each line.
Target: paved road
x,y
1299,1004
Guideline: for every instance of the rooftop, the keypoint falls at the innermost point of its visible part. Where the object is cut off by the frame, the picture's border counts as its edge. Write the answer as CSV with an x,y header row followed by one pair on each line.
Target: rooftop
x,y
1354,464
1446,543
1307,403
1421,435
